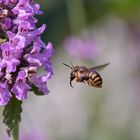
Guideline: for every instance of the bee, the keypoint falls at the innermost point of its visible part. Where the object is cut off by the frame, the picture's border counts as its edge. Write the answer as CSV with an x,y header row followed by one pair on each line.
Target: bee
x,y
86,75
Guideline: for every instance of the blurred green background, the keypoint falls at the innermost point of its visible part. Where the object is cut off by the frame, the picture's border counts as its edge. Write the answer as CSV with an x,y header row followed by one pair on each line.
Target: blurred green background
x,y
87,113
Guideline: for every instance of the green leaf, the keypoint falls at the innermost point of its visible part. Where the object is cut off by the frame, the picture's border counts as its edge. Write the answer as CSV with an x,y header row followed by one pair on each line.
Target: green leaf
x,y
36,91
12,115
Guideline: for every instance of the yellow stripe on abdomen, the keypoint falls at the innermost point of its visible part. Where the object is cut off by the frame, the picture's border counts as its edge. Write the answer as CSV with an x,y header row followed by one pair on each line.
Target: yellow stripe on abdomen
x,y
96,79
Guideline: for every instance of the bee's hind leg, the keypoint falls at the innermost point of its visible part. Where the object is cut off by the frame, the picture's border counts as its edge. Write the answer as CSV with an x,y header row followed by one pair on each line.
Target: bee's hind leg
x,y
88,83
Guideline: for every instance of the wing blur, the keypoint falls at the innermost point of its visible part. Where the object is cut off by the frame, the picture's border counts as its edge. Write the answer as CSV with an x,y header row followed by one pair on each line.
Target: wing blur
x,y
100,67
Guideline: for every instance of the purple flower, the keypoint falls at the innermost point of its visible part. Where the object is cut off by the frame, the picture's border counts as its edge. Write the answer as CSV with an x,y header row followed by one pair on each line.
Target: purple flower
x,y
24,52
8,61
13,1
81,47
7,23
17,41
4,94
24,9
46,59
34,57
21,87
32,34
40,82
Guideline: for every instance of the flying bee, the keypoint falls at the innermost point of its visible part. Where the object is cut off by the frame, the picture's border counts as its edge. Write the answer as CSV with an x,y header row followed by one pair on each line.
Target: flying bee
x,y
86,75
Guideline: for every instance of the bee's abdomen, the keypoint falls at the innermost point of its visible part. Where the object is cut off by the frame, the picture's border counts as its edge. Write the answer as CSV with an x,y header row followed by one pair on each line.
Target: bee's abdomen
x,y
95,79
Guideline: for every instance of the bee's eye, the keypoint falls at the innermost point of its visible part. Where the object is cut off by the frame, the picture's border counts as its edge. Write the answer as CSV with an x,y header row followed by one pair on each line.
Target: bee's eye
x,y
81,70
72,74
76,68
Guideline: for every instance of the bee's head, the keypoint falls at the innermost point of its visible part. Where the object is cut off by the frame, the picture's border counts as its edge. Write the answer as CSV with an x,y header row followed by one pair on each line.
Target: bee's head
x,y
73,70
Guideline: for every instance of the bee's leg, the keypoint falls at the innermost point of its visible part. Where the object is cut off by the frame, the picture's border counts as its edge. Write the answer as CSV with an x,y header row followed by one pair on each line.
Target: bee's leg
x,y
78,80
89,83
71,79
84,81
92,83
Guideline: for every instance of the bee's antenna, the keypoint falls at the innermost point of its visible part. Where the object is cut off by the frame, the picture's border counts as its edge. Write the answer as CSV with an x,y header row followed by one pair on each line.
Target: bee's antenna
x,y
72,65
68,66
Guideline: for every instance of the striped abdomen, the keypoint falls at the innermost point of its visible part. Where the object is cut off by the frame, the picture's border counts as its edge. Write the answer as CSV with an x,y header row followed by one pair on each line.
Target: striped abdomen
x,y
95,79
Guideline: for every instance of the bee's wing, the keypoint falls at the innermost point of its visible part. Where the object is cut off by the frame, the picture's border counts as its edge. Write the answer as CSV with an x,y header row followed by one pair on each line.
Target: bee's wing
x,y
100,67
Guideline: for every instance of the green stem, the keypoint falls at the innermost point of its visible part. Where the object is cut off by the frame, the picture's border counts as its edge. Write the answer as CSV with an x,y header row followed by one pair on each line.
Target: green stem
x,y
15,132
12,117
